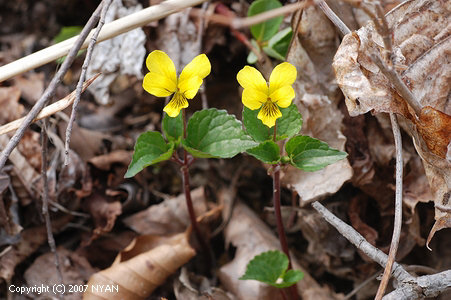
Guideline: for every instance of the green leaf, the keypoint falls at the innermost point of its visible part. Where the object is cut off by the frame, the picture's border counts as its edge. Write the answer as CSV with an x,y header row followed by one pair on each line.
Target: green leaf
x,y
214,133
252,58
150,149
287,126
173,128
267,152
278,45
264,31
271,268
309,154
66,33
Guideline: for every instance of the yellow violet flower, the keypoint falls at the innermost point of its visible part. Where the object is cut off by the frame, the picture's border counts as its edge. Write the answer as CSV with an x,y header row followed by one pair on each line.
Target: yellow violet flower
x,y
162,81
257,93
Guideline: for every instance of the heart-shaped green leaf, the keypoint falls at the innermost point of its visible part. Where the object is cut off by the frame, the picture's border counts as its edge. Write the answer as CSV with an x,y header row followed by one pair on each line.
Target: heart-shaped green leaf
x,y
309,154
268,152
150,148
265,30
214,133
278,45
173,128
287,126
271,268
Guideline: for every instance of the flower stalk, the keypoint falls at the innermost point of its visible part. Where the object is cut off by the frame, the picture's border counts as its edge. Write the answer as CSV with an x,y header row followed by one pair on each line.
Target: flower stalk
x,y
277,211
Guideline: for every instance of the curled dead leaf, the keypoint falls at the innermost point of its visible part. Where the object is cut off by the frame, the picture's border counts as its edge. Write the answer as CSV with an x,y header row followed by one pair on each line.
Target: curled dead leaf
x,y
138,276
435,129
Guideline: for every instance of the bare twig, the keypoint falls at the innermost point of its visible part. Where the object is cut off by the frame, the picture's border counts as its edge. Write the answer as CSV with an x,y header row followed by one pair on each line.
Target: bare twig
x,y
45,202
122,25
427,286
200,33
238,23
49,92
105,6
361,286
381,25
360,242
48,110
333,17
398,209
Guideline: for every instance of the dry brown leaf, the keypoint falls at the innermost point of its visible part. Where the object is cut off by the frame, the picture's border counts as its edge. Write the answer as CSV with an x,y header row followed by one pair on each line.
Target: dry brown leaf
x,y
251,236
422,46
104,162
75,269
31,85
30,241
138,276
170,216
419,48
189,286
104,212
9,102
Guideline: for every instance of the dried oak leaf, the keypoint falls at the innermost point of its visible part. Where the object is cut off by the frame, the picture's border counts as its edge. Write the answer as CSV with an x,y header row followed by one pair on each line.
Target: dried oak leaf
x,y
138,273
169,216
421,46
75,269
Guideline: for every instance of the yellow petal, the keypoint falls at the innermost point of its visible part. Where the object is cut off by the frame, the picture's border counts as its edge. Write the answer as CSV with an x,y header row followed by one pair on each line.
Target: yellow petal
x,y
283,74
200,66
175,105
253,99
283,96
158,85
159,62
190,86
269,114
250,77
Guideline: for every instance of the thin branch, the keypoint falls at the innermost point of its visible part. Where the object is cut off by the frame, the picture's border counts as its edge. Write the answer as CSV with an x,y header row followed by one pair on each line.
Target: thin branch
x,y
382,28
361,243
238,23
333,17
49,92
398,209
397,82
45,202
105,6
122,25
48,110
427,286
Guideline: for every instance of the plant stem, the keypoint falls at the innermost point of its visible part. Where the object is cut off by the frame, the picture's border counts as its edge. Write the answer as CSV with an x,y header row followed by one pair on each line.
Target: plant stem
x,y
189,202
277,210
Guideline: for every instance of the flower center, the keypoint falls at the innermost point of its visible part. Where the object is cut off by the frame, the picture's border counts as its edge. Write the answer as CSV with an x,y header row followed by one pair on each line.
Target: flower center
x,y
270,108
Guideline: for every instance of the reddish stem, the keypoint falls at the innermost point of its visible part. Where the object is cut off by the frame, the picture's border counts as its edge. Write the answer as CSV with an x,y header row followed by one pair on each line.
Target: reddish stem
x,y
277,211
189,202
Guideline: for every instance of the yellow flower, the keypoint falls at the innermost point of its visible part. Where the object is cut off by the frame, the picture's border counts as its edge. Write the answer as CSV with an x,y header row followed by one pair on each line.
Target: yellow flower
x,y
279,93
161,81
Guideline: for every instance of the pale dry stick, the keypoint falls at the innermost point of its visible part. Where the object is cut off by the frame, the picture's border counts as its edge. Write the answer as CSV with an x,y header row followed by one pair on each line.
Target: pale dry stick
x,y
381,25
333,17
200,33
427,286
110,30
50,91
105,5
45,202
398,209
48,110
238,23
361,243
